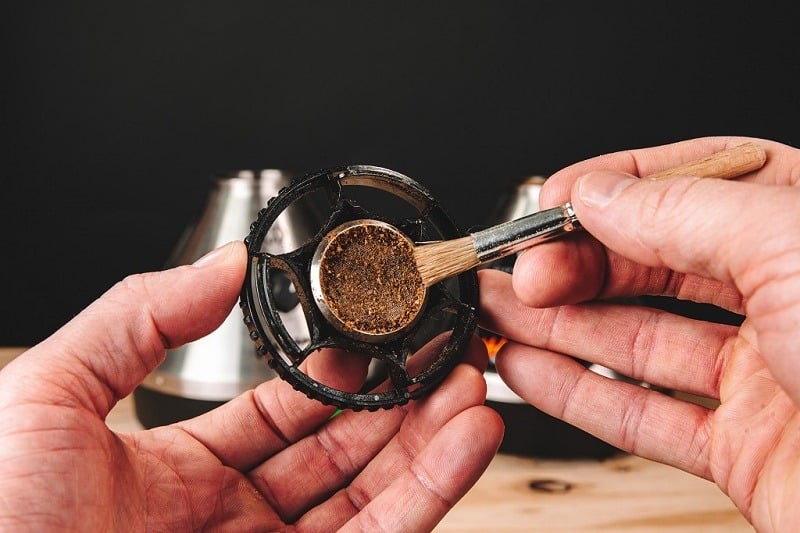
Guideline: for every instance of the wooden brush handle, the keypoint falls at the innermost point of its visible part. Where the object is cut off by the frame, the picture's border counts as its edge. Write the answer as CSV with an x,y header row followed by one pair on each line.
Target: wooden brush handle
x,y
730,163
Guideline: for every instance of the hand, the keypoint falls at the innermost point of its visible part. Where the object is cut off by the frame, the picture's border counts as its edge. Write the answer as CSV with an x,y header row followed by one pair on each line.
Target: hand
x,y
267,459
734,244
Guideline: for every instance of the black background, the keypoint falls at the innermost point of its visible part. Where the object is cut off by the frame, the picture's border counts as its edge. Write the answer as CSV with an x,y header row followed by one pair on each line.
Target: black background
x,y
115,116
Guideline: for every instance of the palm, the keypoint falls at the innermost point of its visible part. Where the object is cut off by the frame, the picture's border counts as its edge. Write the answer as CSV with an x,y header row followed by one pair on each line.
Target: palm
x,y
188,489
114,478
182,484
754,438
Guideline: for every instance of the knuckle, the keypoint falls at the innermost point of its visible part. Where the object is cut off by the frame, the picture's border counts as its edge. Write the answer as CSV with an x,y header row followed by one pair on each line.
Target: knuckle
x,y
631,420
668,216
661,210
141,291
130,289
136,305
335,455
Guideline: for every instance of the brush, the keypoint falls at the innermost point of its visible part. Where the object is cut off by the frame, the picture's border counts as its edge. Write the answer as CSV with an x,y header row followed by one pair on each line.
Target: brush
x,y
440,260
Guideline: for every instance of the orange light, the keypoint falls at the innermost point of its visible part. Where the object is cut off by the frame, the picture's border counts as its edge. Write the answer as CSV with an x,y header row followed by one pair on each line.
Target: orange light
x,y
493,344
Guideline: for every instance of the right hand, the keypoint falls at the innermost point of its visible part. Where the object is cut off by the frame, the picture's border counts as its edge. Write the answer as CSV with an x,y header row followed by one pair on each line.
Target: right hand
x,y
735,244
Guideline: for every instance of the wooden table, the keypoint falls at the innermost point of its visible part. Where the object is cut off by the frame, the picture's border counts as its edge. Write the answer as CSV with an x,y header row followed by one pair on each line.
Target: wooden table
x,y
626,494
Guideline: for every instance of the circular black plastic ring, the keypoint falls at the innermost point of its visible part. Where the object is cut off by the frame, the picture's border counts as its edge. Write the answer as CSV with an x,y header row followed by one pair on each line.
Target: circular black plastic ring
x,y
448,319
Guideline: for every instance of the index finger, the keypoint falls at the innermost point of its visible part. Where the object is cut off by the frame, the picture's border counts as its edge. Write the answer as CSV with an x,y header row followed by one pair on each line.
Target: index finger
x,y
781,159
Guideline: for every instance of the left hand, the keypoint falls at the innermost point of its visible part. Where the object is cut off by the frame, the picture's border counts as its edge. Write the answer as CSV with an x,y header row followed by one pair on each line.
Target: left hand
x,y
265,460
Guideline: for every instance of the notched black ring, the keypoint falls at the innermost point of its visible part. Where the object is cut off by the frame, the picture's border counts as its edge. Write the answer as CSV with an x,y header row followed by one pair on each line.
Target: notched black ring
x,y
284,355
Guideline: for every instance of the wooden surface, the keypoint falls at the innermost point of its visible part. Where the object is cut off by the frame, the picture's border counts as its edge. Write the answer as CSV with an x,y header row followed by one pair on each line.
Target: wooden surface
x,y
626,494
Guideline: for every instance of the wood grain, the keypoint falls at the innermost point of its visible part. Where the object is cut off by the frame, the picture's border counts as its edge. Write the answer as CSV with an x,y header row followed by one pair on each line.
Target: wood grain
x,y
726,164
625,494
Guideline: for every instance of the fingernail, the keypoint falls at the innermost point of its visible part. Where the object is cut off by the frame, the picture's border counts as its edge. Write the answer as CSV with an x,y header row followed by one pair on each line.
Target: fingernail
x,y
598,189
214,256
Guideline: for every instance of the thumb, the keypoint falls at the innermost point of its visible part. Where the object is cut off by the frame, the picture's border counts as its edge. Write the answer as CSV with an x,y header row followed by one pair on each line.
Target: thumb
x,y
107,350
724,230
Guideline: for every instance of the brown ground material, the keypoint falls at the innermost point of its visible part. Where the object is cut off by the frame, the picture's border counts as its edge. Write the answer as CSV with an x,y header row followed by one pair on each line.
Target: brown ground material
x,y
370,280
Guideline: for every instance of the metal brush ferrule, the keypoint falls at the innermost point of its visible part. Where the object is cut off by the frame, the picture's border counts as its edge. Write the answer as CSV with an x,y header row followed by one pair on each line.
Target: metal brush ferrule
x,y
515,235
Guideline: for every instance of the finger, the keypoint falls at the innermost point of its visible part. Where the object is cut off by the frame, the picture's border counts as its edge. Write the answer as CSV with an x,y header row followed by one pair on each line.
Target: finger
x,y
646,344
778,170
315,467
261,422
580,269
105,352
632,418
696,226
437,478
577,269
254,426
567,271
444,444
687,224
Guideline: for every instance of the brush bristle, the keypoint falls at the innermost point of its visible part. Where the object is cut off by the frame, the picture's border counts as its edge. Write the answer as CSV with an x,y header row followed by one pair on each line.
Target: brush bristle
x,y
441,260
